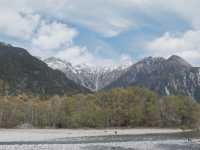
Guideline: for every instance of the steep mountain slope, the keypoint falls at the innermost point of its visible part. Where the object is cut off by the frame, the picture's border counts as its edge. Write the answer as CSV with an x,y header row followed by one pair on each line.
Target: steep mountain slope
x,y
93,78
165,76
22,73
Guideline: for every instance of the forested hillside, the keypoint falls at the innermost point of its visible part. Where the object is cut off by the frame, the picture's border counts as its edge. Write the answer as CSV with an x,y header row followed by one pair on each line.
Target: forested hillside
x,y
21,73
130,107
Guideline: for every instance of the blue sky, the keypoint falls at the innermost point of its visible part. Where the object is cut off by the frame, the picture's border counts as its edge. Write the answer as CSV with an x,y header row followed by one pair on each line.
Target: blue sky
x,y
103,32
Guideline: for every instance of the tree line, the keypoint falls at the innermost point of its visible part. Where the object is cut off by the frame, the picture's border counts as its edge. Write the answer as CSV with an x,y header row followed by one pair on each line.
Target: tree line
x,y
130,107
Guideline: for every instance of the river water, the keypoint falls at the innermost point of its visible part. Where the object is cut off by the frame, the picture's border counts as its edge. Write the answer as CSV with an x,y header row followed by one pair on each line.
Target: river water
x,y
116,142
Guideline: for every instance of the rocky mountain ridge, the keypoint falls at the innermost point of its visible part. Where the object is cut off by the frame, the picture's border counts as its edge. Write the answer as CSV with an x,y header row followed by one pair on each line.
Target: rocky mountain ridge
x,y
93,78
172,76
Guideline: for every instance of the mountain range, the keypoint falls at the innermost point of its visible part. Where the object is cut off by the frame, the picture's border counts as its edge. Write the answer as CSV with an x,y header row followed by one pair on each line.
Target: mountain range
x,y
93,78
21,73
172,76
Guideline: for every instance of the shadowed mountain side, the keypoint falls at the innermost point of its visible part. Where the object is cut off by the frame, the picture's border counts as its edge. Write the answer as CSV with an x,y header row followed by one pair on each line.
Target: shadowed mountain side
x,y
22,73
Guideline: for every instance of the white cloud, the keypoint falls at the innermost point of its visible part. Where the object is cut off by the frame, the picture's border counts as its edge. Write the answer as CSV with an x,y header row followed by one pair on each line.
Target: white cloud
x,y
33,21
18,25
51,36
76,55
125,59
45,38
16,19
186,9
56,39
104,17
110,17
81,55
186,45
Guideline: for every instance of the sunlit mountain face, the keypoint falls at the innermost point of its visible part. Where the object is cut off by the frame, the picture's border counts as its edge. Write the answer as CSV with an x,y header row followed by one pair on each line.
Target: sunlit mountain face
x,y
94,78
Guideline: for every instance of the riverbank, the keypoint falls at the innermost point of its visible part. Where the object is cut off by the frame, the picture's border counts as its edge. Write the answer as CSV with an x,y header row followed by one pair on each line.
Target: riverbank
x,y
9,135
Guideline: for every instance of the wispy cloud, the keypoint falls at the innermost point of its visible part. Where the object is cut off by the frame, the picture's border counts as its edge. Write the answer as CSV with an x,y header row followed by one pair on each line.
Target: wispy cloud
x,y
51,27
51,36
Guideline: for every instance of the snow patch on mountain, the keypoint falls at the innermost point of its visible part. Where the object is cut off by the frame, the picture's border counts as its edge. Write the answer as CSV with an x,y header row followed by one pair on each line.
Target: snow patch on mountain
x,y
91,77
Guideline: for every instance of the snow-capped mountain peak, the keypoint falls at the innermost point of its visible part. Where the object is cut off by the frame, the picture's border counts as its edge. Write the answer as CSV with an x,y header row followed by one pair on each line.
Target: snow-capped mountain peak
x,y
91,77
